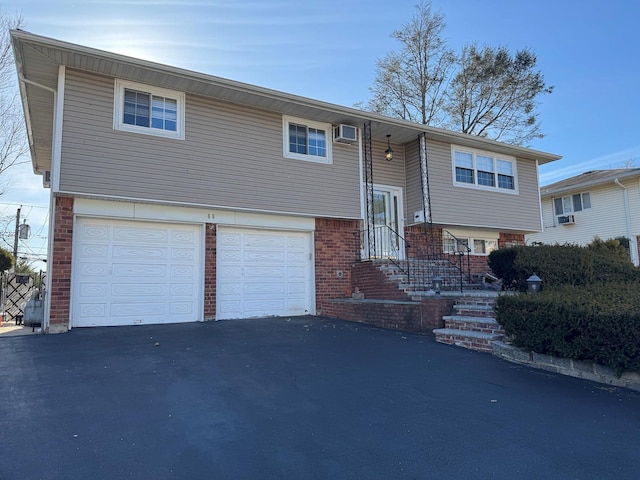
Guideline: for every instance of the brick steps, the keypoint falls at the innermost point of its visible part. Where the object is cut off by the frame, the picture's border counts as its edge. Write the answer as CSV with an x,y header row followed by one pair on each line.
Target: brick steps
x,y
474,326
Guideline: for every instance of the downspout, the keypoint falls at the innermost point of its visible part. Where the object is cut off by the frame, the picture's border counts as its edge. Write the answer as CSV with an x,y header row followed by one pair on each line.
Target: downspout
x,y
633,241
48,279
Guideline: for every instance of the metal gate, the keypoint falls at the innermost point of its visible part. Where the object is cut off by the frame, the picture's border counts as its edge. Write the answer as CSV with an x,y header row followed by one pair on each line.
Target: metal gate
x,y
16,289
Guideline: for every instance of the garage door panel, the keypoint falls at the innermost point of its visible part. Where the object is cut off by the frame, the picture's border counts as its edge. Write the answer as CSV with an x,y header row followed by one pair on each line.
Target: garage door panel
x,y
140,252
137,289
99,290
138,235
268,257
258,270
152,272
139,270
92,251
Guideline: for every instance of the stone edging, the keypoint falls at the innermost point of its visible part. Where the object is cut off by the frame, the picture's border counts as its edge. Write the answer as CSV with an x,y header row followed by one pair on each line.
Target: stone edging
x,y
566,366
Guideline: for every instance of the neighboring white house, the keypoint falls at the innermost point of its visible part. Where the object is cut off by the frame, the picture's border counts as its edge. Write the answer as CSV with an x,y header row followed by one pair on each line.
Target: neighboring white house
x,y
598,203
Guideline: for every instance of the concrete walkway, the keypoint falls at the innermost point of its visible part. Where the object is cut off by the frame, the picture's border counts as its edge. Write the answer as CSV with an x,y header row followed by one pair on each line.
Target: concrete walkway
x,y
300,398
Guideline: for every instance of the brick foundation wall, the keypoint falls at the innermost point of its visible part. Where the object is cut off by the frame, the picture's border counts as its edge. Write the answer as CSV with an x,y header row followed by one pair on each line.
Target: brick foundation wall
x,y
510,239
210,272
369,280
337,247
416,238
60,268
407,316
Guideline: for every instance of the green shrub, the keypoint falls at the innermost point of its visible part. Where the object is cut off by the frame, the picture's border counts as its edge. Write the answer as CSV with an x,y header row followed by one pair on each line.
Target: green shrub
x,y
600,262
600,323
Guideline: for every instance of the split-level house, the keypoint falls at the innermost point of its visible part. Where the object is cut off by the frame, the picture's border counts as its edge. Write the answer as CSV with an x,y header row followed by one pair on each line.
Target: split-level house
x,y
598,203
178,196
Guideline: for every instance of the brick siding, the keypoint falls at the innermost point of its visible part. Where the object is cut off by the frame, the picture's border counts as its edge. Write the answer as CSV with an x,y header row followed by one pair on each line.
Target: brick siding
x,y
60,269
337,248
369,280
210,272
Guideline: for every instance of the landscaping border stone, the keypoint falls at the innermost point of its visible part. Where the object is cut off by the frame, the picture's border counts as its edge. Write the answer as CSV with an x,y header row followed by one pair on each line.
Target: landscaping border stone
x,y
566,366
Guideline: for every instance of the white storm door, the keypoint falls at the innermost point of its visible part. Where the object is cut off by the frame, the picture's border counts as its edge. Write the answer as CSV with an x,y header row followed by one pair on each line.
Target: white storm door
x,y
263,273
387,222
131,272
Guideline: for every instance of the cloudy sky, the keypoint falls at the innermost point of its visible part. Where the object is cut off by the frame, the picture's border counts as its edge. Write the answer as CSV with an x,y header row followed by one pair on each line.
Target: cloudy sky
x,y
588,50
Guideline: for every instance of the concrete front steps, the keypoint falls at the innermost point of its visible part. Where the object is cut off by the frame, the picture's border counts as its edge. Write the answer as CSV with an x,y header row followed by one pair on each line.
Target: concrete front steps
x,y
473,326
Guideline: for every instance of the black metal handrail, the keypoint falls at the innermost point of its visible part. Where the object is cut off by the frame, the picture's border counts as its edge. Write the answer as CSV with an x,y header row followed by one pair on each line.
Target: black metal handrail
x,y
462,249
388,245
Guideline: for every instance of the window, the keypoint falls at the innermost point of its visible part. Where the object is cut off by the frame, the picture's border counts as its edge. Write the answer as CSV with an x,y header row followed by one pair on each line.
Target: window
x,y
145,109
572,203
484,170
306,140
479,246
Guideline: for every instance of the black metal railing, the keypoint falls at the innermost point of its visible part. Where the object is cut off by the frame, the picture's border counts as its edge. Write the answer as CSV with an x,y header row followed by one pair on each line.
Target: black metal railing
x,y
388,245
448,258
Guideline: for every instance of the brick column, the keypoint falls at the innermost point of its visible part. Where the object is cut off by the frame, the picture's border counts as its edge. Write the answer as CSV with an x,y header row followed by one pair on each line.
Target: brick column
x,y
210,272
337,247
60,268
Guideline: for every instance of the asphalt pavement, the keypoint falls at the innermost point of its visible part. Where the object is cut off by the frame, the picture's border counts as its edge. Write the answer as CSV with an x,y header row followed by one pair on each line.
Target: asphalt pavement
x,y
298,398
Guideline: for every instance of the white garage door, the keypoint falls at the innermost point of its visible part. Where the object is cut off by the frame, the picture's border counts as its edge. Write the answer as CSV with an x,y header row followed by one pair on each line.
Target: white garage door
x,y
130,272
263,272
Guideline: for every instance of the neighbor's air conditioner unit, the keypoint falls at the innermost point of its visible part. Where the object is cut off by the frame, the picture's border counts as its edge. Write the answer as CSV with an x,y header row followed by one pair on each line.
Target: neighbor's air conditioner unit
x,y
345,134
566,220
46,179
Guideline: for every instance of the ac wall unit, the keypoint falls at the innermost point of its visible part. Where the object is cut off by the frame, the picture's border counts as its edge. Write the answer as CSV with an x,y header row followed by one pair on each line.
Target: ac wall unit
x,y
566,220
46,179
345,134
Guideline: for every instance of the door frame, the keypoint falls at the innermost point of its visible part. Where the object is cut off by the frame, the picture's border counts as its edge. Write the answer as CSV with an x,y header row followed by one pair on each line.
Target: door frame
x,y
397,211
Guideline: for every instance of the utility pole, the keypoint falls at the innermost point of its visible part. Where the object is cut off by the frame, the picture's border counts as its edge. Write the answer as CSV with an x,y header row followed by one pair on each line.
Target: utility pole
x,y
15,238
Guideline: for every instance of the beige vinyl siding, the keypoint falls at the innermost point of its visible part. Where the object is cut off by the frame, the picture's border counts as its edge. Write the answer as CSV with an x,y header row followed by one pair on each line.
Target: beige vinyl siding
x,y
451,205
413,181
231,157
605,219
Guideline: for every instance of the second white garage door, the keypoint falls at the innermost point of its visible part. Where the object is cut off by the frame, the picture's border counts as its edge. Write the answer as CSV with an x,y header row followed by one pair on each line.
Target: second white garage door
x,y
263,273
132,272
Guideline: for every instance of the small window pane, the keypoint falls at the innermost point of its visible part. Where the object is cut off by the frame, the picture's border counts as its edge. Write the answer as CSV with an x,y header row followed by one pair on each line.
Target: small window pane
x,y
464,159
462,245
464,175
297,139
586,200
557,204
490,245
567,207
577,203
486,178
484,163
505,167
479,246
449,245
506,181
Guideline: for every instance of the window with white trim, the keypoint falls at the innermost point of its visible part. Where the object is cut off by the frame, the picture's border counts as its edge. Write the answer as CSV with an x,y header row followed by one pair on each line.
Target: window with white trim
x,y
483,170
474,246
306,140
141,108
572,203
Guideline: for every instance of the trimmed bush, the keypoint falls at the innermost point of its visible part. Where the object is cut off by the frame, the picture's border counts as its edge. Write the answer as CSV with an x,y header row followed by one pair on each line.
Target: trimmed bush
x,y
600,323
600,262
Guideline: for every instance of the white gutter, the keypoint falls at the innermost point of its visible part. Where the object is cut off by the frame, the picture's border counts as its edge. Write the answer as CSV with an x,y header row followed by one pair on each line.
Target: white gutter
x,y
633,241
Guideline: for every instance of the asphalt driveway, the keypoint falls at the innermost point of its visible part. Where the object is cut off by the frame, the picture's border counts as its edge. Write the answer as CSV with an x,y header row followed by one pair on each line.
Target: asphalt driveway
x,y
299,398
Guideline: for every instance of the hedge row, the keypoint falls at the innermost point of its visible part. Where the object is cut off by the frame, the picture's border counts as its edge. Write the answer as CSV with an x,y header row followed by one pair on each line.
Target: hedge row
x,y
598,263
600,323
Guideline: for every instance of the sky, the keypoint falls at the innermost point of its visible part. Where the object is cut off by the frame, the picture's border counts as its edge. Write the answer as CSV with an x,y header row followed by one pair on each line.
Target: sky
x,y
327,50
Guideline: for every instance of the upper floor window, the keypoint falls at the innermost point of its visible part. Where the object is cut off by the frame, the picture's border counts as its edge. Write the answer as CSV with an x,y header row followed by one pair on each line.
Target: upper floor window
x,y
145,109
483,170
306,140
572,203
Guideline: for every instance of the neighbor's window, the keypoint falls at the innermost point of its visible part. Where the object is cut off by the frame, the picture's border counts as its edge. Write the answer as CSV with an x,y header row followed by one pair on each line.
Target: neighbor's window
x,y
479,246
572,203
483,170
145,109
306,140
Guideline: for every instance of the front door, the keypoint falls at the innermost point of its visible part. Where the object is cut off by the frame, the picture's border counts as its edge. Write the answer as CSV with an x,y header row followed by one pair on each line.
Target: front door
x,y
387,223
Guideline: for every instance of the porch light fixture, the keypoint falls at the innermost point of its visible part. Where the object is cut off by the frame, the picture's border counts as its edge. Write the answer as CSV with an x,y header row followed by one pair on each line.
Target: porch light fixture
x,y
534,283
388,153
436,283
